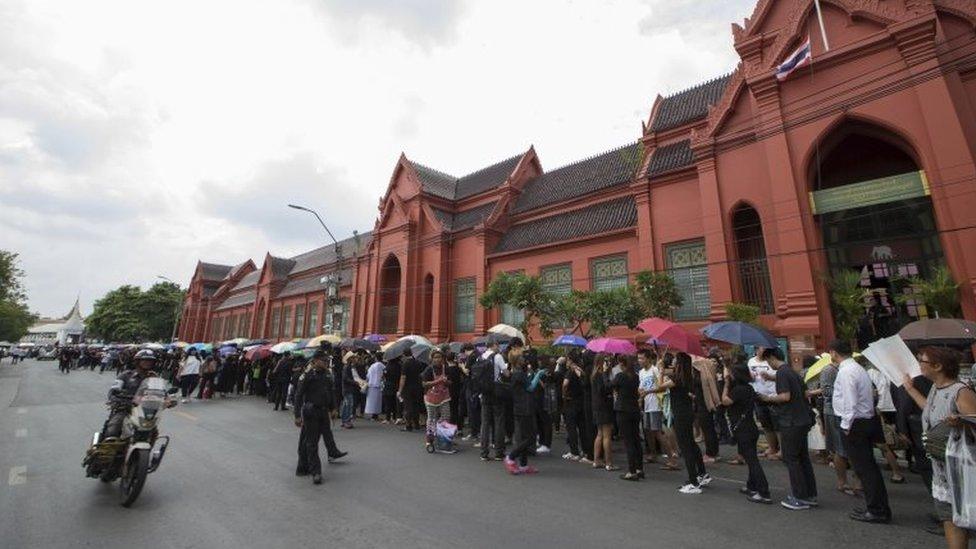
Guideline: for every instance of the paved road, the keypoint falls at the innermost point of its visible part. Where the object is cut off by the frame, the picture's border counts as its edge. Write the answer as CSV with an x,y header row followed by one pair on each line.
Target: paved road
x,y
228,481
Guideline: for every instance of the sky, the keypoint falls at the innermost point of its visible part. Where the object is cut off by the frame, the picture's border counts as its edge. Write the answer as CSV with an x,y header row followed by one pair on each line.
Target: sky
x,y
137,138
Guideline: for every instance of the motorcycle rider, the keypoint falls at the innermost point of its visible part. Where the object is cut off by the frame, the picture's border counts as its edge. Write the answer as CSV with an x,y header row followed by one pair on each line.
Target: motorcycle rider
x,y
125,388
314,399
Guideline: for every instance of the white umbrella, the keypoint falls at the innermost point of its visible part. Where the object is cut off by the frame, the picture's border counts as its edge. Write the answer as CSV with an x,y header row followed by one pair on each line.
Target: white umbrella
x,y
153,346
284,347
505,329
417,339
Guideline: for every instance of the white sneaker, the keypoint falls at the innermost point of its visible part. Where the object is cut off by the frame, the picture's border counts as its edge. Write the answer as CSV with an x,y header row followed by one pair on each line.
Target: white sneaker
x,y
183,400
705,479
690,489
543,450
585,461
570,456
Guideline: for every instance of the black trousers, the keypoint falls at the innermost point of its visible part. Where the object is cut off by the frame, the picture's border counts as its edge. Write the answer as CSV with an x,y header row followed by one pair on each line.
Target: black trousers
x,y
746,440
280,395
474,413
492,426
315,425
629,425
796,456
573,416
922,463
684,431
188,383
860,440
706,422
525,445
544,427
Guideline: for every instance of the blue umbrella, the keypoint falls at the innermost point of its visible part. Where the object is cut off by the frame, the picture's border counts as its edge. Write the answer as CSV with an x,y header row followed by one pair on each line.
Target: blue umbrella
x,y
740,333
227,350
569,340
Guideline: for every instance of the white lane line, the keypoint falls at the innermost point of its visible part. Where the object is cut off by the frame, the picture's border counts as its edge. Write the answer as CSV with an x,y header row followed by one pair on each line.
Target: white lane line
x,y
18,475
190,417
20,433
21,410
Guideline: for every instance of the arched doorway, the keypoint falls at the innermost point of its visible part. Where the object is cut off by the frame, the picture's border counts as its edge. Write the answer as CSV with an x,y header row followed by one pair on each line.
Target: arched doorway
x,y
390,295
751,265
428,304
871,202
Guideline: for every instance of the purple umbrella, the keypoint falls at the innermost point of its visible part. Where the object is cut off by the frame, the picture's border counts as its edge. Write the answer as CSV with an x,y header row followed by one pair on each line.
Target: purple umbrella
x,y
612,345
375,338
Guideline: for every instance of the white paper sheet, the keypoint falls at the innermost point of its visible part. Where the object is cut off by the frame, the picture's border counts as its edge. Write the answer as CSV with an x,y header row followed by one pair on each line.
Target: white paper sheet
x,y
893,358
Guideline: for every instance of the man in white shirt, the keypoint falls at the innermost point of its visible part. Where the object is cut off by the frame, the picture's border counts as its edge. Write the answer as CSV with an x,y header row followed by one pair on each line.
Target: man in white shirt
x,y
854,403
492,408
764,382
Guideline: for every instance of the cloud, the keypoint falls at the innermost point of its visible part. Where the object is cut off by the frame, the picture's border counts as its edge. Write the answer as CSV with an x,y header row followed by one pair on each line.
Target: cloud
x,y
407,124
260,203
424,22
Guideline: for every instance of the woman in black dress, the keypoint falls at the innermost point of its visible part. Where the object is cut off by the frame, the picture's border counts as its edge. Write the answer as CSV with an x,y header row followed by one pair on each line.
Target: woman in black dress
x,y
625,404
682,390
740,399
601,395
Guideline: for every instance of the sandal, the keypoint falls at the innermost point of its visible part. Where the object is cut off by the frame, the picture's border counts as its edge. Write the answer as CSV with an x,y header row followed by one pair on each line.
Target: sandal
x,y
847,491
897,480
612,468
670,467
597,465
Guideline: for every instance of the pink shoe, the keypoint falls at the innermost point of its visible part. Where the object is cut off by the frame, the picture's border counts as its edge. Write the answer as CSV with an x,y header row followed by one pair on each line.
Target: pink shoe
x,y
527,470
510,466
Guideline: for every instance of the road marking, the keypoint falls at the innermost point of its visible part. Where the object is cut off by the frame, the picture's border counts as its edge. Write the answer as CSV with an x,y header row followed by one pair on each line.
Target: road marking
x,y
18,475
190,417
21,433
21,410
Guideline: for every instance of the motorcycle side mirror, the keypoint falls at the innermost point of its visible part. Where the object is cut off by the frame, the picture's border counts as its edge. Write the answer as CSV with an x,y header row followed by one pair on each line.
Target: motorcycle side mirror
x,y
172,390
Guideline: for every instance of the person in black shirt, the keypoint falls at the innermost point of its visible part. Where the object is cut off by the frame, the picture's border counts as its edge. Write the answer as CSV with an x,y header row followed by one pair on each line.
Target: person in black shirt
x,y
601,395
794,419
411,391
391,382
314,398
573,404
625,404
682,387
523,407
740,399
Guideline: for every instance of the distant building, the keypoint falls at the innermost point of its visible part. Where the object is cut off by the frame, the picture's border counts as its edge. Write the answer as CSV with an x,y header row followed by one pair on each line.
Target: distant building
x,y
68,329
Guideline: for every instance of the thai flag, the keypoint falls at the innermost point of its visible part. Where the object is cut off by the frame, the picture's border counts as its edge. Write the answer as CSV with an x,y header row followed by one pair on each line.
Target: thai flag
x,y
797,59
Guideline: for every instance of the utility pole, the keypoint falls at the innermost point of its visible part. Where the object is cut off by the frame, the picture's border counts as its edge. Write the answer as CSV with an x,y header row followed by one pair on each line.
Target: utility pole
x,y
335,284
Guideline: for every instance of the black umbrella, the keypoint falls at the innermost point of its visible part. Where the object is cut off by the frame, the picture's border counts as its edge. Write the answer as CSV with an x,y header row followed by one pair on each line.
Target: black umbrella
x,y
940,331
396,350
455,346
355,343
421,351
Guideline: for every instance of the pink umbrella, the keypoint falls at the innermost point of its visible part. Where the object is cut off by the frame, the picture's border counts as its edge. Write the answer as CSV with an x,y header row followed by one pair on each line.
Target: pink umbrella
x,y
612,345
672,335
258,353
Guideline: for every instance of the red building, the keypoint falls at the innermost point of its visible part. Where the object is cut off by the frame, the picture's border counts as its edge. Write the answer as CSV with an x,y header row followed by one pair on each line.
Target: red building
x,y
745,188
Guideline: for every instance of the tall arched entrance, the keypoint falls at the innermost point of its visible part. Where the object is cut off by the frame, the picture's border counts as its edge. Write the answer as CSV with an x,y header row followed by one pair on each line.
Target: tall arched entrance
x,y
752,269
871,202
389,295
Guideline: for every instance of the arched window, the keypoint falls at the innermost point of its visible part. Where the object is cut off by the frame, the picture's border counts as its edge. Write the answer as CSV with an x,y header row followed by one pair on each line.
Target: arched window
x,y
390,295
752,268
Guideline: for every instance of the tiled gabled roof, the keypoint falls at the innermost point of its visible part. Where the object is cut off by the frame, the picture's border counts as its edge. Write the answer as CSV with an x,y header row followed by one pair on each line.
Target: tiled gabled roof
x,y
248,280
447,186
688,105
309,284
280,267
670,157
599,172
238,300
592,220
326,254
213,271
466,219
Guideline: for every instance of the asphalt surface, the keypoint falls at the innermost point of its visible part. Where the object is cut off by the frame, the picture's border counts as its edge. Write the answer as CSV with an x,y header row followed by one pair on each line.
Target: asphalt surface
x,y
228,481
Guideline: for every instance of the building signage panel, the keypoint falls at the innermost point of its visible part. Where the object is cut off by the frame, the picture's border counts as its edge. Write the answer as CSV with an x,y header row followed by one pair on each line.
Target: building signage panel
x,y
870,193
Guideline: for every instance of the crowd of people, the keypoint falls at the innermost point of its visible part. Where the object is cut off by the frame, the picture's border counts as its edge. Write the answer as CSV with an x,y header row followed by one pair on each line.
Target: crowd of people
x,y
670,411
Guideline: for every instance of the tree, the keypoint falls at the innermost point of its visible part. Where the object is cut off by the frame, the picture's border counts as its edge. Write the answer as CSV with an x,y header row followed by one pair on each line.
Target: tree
x,y
15,318
129,314
847,298
742,312
594,313
940,294
656,294
525,293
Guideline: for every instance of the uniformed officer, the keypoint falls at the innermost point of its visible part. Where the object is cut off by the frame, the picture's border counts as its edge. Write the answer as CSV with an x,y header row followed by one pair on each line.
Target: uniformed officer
x,y
314,399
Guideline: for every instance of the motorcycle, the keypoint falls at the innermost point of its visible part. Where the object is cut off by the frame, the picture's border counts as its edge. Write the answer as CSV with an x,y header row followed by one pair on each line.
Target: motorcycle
x,y
139,449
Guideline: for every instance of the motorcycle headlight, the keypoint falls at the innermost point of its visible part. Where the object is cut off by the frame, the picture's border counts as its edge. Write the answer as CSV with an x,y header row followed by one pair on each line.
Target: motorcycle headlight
x,y
147,422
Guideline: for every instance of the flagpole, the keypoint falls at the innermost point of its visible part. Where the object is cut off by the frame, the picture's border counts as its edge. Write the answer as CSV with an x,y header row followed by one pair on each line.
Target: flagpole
x,y
823,30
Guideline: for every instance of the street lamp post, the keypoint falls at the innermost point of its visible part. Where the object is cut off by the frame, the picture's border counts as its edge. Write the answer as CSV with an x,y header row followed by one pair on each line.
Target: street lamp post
x,y
336,282
176,312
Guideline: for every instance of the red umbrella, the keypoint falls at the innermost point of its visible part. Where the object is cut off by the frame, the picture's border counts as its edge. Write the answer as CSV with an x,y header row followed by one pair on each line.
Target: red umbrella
x,y
672,335
258,353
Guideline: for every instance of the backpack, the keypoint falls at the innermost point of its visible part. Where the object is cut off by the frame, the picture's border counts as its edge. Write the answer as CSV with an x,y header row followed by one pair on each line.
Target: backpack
x,y
483,375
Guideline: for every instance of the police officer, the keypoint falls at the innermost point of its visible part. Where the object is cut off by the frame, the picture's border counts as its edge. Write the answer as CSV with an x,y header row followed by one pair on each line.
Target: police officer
x,y
125,388
314,399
